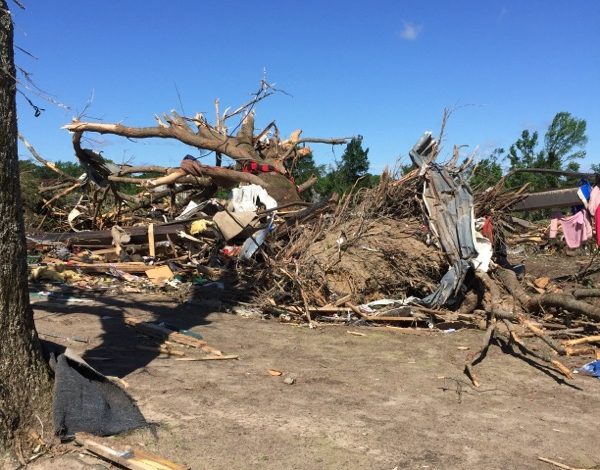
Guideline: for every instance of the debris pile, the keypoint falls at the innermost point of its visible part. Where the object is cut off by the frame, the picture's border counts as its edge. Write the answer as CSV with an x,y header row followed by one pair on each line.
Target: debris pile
x,y
418,249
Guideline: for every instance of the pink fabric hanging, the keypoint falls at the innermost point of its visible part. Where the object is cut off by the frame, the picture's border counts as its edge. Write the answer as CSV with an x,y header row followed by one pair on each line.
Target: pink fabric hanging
x,y
597,219
576,228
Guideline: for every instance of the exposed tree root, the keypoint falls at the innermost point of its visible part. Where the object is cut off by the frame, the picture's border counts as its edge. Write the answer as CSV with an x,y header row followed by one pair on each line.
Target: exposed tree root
x,y
492,305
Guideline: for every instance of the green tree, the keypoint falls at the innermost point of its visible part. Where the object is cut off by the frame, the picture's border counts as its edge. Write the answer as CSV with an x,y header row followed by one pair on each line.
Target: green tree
x,y
343,176
305,167
565,134
564,144
354,164
488,170
41,172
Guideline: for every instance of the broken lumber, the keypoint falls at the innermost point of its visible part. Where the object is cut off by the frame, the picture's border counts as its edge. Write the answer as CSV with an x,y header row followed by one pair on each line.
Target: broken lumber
x,y
130,267
151,329
208,358
587,339
163,349
126,456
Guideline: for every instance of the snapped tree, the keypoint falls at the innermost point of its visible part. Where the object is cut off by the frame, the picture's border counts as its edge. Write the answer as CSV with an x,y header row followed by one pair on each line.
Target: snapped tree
x,y
25,385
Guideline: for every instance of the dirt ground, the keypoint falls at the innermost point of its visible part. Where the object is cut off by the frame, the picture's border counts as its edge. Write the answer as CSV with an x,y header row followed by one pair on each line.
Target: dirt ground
x,y
388,400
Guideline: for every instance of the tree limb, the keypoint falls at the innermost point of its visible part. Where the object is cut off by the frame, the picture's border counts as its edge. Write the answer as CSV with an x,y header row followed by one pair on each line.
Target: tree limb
x,y
204,139
43,161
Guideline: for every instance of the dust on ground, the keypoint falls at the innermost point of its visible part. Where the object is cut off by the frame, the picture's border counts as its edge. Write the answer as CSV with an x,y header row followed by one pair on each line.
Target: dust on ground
x,y
391,399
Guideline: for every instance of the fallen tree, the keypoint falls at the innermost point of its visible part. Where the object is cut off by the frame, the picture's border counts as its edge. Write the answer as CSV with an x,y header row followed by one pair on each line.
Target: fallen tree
x,y
260,157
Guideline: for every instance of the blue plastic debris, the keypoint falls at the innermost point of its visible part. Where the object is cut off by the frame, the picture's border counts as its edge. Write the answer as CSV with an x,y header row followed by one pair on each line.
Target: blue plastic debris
x,y
591,368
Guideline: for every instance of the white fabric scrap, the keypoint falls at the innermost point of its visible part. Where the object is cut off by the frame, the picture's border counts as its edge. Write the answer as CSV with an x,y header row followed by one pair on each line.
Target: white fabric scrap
x,y
483,247
245,198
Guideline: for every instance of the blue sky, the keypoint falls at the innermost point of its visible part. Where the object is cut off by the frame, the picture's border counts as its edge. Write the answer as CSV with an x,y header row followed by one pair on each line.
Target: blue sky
x,y
382,69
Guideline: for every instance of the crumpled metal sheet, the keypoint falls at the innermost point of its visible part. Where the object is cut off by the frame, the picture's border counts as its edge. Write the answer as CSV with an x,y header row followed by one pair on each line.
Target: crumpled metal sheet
x,y
449,205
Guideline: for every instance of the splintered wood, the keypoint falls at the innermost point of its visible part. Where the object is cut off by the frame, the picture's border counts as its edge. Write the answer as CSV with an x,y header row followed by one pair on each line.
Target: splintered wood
x,y
126,456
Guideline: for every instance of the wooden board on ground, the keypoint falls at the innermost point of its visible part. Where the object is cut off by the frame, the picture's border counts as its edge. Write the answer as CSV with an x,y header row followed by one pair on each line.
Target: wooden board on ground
x,y
126,456
151,329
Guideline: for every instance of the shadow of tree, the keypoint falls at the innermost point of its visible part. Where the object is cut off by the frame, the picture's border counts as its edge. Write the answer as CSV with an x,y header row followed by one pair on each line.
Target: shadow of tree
x,y
118,354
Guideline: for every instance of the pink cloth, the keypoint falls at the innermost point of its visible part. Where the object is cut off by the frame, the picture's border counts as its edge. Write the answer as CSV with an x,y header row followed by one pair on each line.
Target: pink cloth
x,y
594,201
576,228
597,219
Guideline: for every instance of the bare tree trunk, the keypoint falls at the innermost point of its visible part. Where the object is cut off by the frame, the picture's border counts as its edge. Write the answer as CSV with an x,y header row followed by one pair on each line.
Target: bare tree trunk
x,y
25,386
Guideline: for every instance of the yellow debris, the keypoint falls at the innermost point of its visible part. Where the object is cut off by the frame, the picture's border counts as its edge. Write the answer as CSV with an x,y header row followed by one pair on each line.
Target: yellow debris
x,y
199,226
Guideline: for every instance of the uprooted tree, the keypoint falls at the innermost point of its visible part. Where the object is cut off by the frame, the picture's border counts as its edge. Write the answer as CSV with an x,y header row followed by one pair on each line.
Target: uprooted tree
x,y
262,158
25,384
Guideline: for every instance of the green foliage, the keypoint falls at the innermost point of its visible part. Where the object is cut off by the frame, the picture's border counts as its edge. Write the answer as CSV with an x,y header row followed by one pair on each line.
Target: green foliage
x,y
350,172
354,164
407,168
42,172
30,194
305,167
564,143
564,135
488,170
33,175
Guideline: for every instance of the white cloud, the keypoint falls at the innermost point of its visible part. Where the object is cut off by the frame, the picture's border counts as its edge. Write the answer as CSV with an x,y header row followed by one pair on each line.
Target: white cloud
x,y
410,31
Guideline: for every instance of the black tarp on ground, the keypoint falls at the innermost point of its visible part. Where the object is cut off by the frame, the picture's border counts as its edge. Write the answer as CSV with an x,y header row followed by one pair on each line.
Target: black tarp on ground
x,y
87,401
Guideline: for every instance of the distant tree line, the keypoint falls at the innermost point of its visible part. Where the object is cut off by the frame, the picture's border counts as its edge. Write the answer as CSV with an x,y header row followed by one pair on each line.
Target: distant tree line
x,y
562,147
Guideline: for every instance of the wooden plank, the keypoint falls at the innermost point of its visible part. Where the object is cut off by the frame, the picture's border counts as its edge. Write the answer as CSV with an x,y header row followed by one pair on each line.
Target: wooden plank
x,y
151,246
139,234
160,274
300,310
126,456
208,358
104,251
160,331
151,329
132,267
162,349
382,318
587,339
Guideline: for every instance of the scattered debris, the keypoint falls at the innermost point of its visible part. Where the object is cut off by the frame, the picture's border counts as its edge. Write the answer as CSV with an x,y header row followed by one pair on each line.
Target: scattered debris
x,y
418,250
591,368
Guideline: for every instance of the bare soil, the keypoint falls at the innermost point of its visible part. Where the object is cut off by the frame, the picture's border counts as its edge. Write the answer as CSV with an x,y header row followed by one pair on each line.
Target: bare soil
x,y
392,399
